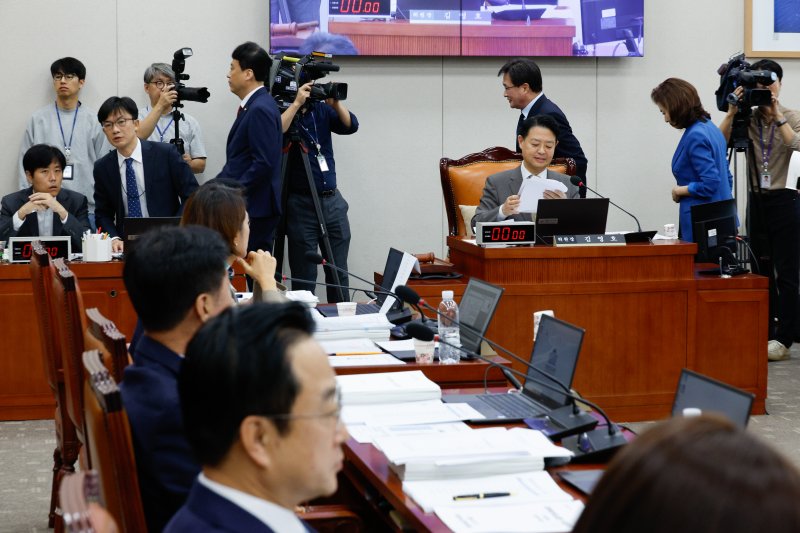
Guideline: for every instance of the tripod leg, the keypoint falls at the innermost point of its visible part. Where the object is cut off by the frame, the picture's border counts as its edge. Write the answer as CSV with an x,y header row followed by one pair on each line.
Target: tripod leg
x,y
280,232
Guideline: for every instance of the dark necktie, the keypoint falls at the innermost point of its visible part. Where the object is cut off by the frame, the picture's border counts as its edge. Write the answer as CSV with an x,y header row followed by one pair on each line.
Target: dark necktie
x,y
134,207
519,129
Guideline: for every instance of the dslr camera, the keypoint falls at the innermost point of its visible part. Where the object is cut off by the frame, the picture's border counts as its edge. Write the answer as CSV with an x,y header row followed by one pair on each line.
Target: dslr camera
x,y
293,72
192,94
737,73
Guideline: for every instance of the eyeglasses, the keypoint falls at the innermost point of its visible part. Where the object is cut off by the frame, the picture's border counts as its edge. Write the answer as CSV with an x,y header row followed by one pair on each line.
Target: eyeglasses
x,y
509,87
68,77
334,415
120,123
161,84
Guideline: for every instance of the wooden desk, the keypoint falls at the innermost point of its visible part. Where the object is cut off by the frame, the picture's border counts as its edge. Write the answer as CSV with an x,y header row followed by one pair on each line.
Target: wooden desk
x,y
24,393
547,37
463,374
646,312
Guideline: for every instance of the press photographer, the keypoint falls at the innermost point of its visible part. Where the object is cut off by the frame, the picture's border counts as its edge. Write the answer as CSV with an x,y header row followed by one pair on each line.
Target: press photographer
x,y
773,132
315,112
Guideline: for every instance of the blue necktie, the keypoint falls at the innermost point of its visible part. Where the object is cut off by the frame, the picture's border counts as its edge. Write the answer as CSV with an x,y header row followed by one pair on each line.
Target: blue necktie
x,y
134,207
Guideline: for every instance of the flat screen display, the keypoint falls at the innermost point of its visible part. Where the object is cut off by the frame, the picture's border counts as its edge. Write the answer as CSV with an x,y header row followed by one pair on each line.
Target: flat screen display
x,y
502,28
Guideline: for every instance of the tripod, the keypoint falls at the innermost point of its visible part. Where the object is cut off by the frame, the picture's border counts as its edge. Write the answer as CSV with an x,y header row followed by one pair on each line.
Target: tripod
x,y
177,116
292,138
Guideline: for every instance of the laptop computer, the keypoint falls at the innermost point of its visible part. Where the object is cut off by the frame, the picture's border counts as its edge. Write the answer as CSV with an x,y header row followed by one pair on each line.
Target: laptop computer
x,y
570,216
137,226
712,396
555,353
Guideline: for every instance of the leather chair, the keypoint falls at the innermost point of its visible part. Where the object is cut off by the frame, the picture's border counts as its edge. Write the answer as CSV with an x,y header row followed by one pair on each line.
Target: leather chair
x,y
463,180
102,334
108,438
67,444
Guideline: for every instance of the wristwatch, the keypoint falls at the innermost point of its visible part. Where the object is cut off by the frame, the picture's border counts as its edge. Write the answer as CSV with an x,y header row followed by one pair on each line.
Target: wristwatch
x,y
781,123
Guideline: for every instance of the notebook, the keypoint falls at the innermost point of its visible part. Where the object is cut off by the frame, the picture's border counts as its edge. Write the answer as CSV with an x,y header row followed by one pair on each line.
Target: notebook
x,y
712,396
555,353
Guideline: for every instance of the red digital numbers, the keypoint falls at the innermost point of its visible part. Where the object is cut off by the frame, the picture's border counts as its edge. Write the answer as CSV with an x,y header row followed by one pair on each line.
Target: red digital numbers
x,y
356,7
504,233
27,250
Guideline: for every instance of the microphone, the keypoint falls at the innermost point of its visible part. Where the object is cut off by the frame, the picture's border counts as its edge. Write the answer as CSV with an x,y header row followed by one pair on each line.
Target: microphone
x,y
317,259
590,446
369,293
637,236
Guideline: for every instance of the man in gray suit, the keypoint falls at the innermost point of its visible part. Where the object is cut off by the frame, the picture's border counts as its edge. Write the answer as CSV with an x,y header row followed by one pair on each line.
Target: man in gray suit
x,y
537,141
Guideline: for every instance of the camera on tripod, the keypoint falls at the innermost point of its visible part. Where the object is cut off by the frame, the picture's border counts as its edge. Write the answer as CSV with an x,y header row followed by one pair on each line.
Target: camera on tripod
x,y
737,73
192,94
293,72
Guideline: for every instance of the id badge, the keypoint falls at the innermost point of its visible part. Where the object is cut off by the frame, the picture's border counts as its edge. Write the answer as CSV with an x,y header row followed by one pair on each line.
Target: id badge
x,y
67,173
323,164
766,180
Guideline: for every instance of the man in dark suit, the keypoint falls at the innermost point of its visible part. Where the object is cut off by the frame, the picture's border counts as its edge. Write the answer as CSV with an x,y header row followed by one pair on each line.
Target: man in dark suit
x,y
261,409
255,143
176,280
522,87
44,209
139,178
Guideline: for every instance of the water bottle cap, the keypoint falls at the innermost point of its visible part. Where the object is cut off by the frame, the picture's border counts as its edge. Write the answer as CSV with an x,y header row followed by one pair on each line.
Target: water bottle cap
x,y
447,295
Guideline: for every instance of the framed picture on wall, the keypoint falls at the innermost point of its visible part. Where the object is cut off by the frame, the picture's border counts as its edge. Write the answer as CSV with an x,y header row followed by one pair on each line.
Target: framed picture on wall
x,y
772,28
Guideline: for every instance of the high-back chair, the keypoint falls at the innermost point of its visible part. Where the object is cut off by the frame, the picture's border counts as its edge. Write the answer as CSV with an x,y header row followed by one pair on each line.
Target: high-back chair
x,y
463,181
108,438
67,444
102,334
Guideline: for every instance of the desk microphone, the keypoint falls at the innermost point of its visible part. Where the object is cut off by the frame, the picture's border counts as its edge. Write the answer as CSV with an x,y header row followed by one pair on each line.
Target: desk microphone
x,y
369,293
637,236
317,259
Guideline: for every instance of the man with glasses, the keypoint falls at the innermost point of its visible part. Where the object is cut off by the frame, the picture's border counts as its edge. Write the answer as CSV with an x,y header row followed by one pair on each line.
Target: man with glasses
x,y
261,413
70,126
522,87
139,178
155,120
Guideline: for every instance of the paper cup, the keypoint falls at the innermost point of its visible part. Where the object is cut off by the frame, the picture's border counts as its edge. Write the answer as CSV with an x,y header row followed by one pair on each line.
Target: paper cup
x,y
346,308
424,351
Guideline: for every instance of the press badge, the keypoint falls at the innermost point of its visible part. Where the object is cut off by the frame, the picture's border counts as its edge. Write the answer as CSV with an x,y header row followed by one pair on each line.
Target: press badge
x,y
323,164
67,174
766,179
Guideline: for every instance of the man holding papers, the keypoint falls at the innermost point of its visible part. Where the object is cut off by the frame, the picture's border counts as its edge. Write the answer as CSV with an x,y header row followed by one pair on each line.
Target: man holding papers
x,y
515,193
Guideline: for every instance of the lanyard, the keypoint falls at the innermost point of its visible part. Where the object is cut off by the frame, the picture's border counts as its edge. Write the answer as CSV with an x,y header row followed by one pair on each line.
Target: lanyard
x,y
67,146
765,153
314,138
166,128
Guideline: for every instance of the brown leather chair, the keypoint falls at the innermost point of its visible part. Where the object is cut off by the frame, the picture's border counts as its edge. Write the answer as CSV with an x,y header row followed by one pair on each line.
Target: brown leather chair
x,y
67,444
463,179
108,438
102,334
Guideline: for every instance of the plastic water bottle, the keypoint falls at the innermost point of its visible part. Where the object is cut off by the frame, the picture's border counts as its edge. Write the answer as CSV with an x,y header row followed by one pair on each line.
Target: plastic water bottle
x,y
448,330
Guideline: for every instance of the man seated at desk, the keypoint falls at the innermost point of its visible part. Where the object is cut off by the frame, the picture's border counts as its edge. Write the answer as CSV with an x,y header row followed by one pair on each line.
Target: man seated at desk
x,y
45,209
261,411
501,200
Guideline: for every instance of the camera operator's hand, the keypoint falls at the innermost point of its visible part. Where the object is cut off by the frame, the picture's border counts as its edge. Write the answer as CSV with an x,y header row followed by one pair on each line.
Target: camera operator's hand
x,y
167,98
738,92
341,111
299,101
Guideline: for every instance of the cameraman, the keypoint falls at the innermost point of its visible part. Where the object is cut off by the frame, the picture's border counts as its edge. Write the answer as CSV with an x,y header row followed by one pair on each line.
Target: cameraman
x,y
774,215
315,121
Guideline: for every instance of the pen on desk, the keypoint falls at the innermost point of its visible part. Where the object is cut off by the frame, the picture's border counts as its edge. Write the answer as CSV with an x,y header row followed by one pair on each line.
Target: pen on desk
x,y
481,496
358,353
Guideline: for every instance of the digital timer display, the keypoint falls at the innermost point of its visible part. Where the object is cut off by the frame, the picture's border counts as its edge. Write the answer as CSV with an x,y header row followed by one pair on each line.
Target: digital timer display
x,y
506,233
359,7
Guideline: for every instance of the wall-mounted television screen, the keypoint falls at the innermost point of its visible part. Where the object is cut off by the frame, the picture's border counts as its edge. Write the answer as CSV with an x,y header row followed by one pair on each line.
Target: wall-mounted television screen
x,y
458,27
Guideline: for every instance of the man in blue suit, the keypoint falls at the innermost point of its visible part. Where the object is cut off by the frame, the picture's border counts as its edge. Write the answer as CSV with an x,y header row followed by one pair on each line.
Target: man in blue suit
x,y
139,178
255,143
261,411
176,279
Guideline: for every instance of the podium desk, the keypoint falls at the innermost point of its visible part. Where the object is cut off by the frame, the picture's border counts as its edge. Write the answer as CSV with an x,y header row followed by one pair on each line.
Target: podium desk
x,y
646,311
24,393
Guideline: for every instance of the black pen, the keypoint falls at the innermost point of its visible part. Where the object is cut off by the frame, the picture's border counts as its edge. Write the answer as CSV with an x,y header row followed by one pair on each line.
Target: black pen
x,y
481,496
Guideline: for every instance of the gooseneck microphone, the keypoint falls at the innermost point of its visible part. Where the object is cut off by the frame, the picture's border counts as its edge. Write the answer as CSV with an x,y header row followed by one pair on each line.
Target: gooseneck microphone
x,y
317,259
369,293
575,180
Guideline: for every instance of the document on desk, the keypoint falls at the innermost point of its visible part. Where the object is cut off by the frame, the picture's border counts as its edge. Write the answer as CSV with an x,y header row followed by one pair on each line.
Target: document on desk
x,y
378,359
354,346
532,191
369,434
373,326
408,413
527,487
548,517
387,387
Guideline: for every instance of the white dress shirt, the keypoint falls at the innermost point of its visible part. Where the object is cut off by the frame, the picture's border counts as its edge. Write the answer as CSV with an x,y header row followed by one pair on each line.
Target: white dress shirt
x,y
138,169
247,98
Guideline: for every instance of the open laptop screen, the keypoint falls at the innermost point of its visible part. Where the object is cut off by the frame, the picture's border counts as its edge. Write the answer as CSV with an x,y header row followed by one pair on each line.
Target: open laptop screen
x,y
570,216
135,227
390,271
476,311
712,396
555,353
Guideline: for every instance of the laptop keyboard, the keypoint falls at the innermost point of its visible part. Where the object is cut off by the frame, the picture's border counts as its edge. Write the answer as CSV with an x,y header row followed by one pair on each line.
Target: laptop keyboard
x,y
367,309
510,405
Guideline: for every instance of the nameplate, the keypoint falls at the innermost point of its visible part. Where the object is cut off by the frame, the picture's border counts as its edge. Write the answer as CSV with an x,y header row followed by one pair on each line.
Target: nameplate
x,y
434,16
22,248
607,239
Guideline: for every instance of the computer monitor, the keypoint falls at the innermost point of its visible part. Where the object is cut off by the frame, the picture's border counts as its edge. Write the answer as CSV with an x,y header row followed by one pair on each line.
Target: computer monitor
x,y
714,228
476,311
571,216
712,396
607,21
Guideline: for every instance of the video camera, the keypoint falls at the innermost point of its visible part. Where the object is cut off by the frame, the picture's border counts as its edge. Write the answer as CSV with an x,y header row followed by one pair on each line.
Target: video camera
x,y
737,73
192,94
293,72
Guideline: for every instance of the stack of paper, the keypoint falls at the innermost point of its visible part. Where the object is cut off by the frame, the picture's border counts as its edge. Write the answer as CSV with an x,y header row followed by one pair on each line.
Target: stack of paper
x,y
481,452
373,326
546,517
387,387
307,298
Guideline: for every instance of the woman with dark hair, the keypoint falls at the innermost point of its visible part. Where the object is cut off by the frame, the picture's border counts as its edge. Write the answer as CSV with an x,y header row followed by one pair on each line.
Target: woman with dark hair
x,y
693,475
223,208
700,163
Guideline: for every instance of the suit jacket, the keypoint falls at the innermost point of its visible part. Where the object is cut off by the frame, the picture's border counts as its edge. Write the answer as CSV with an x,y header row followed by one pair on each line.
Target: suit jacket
x,y
568,145
164,459
502,185
208,512
254,152
76,204
168,183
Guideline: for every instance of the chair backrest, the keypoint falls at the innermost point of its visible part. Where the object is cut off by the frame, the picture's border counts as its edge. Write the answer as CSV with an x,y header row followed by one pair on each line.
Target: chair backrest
x,y
68,318
109,442
41,278
463,180
102,334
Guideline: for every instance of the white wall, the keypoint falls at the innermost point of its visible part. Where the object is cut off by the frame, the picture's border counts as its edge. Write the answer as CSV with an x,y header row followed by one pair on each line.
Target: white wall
x,y
412,110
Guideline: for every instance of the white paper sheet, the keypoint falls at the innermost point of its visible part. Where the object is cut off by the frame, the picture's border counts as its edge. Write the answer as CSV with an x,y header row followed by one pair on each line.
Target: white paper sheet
x,y
378,359
368,434
532,191
551,517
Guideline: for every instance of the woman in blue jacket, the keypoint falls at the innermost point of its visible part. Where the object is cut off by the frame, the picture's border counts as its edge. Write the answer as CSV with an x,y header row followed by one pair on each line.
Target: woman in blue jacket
x,y
700,163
